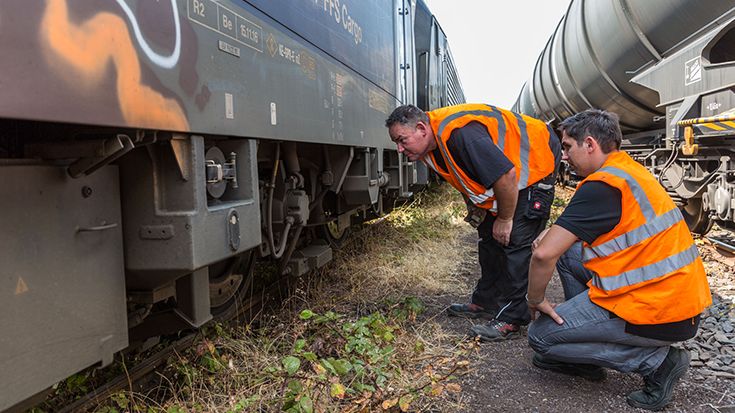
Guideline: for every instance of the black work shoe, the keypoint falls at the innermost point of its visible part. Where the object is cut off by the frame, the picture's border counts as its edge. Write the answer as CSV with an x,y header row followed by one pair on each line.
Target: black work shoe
x,y
659,385
469,311
496,330
586,371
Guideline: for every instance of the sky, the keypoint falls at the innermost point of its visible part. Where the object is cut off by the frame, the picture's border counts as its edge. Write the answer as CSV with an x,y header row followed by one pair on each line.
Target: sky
x,y
495,43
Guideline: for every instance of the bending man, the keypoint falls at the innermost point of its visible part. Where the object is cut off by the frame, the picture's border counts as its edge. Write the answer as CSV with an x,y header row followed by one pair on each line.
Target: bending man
x,y
504,164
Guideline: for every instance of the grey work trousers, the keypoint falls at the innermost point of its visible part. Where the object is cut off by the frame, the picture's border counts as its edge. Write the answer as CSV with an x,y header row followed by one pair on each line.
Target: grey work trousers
x,y
589,334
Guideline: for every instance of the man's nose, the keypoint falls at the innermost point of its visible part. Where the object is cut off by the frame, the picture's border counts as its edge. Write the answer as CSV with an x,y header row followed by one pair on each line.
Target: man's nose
x,y
400,148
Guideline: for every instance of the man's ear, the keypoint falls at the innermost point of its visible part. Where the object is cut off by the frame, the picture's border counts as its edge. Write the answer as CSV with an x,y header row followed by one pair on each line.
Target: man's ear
x,y
589,143
421,126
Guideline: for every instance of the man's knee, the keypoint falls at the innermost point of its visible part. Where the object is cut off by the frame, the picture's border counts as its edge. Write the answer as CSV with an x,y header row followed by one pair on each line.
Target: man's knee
x,y
536,333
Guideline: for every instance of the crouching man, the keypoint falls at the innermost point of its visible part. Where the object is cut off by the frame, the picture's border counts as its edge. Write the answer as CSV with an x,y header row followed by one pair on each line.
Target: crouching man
x,y
633,280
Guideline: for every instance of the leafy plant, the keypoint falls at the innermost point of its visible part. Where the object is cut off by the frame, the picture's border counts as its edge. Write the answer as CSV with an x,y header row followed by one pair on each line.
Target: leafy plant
x,y
347,360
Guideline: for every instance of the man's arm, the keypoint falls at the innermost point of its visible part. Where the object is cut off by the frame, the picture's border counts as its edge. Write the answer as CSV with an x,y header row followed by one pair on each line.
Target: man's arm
x,y
506,195
554,243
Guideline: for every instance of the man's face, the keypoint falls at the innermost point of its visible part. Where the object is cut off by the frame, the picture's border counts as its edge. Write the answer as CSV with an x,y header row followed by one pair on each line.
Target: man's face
x,y
575,154
414,142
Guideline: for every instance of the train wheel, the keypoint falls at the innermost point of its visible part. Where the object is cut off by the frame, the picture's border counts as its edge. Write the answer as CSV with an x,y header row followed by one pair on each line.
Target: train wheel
x,y
333,235
696,218
229,282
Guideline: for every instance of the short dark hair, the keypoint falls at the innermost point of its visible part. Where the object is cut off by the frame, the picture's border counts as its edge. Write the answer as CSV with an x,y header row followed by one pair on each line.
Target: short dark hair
x,y
602,125
406,115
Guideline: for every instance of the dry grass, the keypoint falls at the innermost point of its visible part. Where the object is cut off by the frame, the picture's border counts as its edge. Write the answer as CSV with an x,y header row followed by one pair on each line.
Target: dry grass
x,y
413,251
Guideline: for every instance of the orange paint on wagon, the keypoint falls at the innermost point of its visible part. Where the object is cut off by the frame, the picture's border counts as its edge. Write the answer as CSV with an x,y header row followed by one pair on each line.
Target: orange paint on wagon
x,y
90,47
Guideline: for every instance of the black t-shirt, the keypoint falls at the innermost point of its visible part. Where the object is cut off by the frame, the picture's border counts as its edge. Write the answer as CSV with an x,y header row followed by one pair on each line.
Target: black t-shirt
x,y
476,154
594,210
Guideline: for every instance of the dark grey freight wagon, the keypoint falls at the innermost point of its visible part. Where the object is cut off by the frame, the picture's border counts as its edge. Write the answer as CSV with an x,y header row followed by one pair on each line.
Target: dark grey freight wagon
x,y
148,149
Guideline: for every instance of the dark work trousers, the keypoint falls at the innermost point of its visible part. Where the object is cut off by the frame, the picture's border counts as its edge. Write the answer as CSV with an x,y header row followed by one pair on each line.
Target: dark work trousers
x,y
503,283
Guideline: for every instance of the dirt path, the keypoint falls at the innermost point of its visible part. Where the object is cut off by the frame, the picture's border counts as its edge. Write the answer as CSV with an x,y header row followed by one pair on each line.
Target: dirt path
x,y
503,378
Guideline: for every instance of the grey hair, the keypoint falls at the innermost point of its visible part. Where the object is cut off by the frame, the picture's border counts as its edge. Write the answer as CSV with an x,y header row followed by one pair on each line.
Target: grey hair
x,y
407,115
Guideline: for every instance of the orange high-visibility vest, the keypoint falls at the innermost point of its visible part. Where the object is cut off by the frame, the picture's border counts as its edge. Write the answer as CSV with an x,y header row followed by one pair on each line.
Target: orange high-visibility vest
x,y
647,270
523,140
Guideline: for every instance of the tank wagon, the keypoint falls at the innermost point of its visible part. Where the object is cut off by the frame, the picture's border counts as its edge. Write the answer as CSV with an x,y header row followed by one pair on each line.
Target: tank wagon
x,y
667,67
148,149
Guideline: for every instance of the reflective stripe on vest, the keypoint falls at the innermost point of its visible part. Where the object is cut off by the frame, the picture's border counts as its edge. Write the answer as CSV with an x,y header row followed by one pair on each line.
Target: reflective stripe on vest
x,y
651,228
647,273
525,150
654,224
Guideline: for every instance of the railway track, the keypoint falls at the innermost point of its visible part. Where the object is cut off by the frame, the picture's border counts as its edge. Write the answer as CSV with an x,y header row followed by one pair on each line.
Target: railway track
x,y
132,376
725,243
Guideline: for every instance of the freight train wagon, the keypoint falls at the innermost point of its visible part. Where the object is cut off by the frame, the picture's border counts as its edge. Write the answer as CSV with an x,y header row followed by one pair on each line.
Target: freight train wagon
x,y
148,148
667,67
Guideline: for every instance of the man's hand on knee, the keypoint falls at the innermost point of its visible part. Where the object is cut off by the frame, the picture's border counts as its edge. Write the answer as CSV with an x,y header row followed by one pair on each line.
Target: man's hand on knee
x,y
547,308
